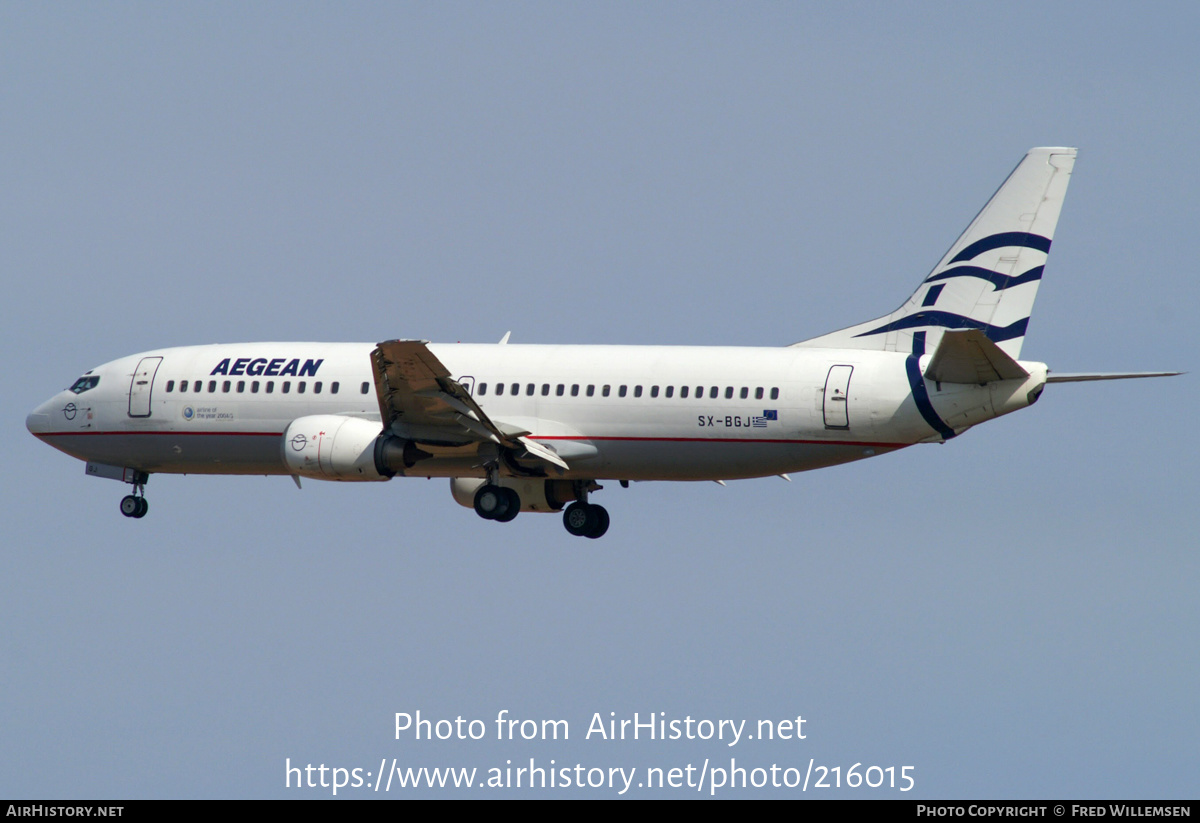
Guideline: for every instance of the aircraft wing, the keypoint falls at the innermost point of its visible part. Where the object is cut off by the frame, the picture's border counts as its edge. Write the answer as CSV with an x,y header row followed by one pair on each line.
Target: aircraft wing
x,y
419,400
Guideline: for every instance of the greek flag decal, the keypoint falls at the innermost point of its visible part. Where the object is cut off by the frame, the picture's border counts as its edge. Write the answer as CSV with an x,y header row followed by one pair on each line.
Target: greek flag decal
x,y
768,414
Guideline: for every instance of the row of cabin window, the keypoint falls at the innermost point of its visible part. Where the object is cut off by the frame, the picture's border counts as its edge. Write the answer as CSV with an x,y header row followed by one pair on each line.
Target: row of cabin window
x,y
285,386
713,392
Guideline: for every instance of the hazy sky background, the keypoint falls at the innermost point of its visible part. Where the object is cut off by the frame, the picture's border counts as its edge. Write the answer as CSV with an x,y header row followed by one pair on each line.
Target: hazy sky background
x,y
1014,614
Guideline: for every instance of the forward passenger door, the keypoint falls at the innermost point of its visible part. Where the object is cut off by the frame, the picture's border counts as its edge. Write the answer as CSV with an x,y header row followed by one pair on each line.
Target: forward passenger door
x,y
142,386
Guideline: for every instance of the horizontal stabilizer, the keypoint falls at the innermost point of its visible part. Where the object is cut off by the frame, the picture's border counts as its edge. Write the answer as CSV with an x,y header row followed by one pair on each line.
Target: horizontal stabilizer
x,y
968,356
1083,377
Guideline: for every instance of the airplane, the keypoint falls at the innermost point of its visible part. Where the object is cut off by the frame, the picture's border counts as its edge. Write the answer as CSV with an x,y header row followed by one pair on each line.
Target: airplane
x,y
534,428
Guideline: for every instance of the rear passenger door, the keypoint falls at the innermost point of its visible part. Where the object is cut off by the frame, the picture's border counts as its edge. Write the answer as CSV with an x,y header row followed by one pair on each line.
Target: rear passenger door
x,y
837,397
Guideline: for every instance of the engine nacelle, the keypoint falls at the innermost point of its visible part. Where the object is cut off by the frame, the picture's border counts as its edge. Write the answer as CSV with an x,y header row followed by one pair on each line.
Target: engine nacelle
x,y
332,447
537,494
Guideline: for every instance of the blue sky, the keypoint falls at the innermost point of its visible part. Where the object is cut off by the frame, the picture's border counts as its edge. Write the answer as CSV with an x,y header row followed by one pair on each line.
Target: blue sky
x,y
1013,613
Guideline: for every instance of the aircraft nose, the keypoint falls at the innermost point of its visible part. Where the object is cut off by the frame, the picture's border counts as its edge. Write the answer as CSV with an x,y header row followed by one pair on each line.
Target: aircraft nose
x,y
38,420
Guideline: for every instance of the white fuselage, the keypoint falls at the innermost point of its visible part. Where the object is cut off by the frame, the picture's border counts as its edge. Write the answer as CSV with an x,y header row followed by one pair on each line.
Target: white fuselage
x,y
620,412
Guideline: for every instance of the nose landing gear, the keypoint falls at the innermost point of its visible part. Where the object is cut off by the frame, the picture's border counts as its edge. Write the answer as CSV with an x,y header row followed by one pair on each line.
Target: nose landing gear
x,y
135,505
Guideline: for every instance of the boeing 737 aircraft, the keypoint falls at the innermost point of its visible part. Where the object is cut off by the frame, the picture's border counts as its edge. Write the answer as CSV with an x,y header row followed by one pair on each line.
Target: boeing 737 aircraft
x,y
523,428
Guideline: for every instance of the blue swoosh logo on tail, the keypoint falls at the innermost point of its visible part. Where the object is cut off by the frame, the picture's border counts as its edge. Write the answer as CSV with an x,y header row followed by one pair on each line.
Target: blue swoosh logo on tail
x,y
998,241
999,281
948,320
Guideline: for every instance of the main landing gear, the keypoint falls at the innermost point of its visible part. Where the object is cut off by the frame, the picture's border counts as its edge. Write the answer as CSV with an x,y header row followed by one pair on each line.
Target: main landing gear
x,y
502,503
497,503
584,519
135,505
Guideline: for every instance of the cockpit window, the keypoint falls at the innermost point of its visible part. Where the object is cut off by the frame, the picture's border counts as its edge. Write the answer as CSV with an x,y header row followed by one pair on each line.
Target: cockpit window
x,y
84,383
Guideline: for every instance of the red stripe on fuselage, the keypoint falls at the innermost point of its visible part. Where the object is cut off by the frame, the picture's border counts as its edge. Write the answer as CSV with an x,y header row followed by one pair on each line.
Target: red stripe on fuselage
x,y
174,433
725,440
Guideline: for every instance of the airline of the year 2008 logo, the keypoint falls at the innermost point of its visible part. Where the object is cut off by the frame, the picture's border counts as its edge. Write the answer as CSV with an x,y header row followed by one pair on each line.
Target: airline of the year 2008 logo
x,y
190,413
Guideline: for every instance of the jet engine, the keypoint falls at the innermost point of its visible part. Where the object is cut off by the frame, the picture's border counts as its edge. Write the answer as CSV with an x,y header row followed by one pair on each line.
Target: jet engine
x,y
332,447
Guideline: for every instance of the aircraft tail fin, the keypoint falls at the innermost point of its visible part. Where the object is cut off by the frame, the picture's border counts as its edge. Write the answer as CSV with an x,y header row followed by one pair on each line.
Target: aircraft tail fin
x,y
989,278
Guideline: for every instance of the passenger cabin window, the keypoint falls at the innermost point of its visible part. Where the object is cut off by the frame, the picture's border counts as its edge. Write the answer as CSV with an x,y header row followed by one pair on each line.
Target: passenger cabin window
x,y
574,389
287,386
758,393
670,391
591,389
499,389
606,390
333,387
558,390
317,387
85,383
366,387
653,391
183,385
170,385
270,387
254,387
482,389
712,393
212,386
774,394
529,390
729,392
196,386
745,393
300,387
514,389
241,386
225,386
545,390
621,391
683,391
